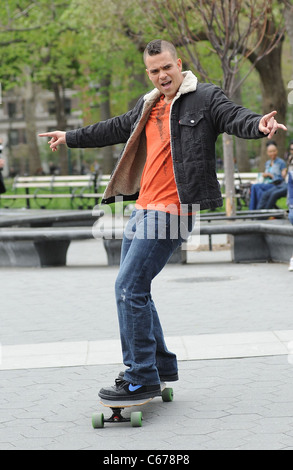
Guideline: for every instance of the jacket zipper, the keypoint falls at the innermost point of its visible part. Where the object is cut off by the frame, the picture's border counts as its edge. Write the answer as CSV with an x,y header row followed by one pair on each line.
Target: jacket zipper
x,y
171,143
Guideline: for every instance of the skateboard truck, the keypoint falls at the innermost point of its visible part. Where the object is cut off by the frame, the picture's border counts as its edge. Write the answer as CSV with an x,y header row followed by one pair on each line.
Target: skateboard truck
x,y
117,417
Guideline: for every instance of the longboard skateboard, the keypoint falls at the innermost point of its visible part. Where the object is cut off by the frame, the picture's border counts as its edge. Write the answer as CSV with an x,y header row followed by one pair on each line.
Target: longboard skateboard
x,y
135,418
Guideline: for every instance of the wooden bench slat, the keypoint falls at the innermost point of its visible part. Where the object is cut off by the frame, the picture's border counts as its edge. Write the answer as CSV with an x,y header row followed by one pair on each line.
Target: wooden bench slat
x,y
51,196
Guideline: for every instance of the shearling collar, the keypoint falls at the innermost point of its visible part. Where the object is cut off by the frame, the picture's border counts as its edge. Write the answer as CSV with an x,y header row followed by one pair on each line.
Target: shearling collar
x,y
188,85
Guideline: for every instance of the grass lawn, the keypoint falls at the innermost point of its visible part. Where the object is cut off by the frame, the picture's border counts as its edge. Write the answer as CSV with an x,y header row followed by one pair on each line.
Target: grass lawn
x,y
65,203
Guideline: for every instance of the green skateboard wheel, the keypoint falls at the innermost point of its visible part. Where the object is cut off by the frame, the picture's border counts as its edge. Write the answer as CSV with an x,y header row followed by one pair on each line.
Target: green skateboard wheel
x,y
98,420
136,419
167,394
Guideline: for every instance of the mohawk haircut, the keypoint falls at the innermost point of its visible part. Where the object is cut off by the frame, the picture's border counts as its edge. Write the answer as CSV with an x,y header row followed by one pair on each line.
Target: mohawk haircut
x,y
157,46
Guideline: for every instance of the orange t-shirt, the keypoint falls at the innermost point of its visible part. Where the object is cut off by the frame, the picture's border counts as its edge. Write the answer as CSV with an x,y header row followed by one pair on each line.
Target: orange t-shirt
x,y
158,187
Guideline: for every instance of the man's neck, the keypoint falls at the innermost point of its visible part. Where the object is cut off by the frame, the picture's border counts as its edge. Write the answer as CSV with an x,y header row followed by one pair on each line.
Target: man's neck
x,y
169,100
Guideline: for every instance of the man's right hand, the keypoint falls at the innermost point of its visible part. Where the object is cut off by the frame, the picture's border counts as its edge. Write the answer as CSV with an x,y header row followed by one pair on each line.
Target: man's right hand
x,y
1,163
57,138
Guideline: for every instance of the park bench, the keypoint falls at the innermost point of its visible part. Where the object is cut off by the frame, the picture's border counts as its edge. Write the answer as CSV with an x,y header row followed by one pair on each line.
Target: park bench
x,y
250,177
264,214
113,246
45,188
47,246
242,184
259,242
43,240
38,218
82,188
38,247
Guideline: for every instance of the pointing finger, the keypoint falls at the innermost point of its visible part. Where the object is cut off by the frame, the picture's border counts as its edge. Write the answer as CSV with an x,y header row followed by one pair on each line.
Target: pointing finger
x,y
270,115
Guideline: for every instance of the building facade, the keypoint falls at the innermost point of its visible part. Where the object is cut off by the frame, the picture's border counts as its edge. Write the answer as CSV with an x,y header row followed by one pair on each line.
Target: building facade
x,y
14,124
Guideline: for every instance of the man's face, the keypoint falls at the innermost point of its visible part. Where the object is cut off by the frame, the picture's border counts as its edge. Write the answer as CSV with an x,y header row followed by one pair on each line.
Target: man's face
x,y
165,73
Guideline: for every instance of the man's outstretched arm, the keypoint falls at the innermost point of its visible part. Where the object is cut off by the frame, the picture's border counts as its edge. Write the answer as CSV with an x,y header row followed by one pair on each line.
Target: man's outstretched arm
x,y
113,131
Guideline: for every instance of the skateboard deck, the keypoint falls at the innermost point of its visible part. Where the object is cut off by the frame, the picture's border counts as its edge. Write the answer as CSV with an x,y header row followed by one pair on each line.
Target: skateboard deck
x,y
135,418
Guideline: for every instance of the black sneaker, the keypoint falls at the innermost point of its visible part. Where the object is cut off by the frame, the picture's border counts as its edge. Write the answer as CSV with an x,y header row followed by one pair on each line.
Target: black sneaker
x,y
125,391
163,378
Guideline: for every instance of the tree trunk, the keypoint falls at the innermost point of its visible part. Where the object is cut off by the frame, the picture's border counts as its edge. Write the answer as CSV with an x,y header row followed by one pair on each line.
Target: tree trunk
x,y
140,78
242,158
289,26
108,153
61,124
228,150
274,96
229,174
35,165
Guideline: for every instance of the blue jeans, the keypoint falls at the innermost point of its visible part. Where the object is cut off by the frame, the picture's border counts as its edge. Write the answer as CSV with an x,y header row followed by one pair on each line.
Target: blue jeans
x,y
150,239
257,191
269,198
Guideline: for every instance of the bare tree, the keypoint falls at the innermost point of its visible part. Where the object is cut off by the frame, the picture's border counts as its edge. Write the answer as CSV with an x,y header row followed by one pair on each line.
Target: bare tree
x,y
274,94
237,31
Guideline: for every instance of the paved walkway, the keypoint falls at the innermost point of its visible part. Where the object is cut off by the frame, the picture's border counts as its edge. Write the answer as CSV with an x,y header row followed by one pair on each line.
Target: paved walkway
x,y
231,326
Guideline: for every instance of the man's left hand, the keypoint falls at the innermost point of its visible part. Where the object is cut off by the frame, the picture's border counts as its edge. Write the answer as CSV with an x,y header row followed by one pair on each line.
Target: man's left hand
x,y
269,126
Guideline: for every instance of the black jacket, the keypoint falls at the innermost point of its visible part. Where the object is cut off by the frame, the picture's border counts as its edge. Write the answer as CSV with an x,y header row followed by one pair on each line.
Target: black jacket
x,y
198,114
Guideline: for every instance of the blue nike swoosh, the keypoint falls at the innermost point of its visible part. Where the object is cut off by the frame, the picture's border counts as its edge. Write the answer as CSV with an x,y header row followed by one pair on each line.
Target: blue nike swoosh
x,y
133,388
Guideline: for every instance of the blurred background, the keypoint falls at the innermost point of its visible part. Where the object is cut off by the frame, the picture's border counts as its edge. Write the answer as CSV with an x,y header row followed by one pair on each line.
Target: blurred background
x,y
70,63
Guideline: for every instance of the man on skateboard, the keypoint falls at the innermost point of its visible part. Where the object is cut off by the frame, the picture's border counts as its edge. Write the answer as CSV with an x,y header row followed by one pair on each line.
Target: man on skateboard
x,y
168,167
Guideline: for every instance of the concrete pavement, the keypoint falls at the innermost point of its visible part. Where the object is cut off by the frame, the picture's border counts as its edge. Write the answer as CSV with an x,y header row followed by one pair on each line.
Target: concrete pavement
x,y
231,326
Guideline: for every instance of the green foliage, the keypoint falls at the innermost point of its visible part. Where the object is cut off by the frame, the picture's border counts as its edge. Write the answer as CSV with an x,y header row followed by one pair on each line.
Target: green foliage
x,y
34,36
106,49
76,43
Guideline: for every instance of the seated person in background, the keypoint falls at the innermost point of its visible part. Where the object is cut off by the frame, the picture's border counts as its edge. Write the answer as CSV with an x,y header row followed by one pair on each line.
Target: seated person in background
x,y
264,195
270,198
